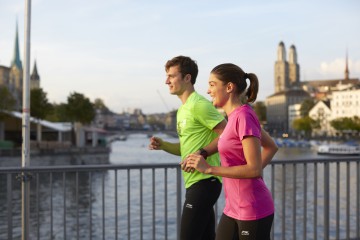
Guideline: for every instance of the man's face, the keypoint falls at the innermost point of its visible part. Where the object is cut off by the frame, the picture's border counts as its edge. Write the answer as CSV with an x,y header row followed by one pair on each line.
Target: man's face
x,y
175,81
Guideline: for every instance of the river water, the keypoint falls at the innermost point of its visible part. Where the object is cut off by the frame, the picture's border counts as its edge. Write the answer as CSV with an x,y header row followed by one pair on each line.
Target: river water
x,y
134,151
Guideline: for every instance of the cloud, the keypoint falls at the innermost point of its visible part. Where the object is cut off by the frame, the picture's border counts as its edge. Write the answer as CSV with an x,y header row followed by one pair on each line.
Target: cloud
x,y
337,67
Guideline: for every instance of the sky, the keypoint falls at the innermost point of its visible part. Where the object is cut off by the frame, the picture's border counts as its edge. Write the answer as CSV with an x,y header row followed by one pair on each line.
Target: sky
x,y
116,50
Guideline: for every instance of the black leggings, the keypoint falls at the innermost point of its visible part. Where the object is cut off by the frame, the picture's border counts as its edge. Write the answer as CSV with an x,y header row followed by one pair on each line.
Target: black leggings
x,y
231,229
198,217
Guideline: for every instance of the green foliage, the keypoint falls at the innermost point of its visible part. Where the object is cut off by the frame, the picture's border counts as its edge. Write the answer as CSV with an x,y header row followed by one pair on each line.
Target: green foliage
x,y
346,123
260,110
306,106
39,104
58,113
305,124
79,108
100,105
7,101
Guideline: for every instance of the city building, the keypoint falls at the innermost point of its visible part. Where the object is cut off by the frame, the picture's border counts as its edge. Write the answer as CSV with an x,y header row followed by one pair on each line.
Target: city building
x,y
12,77
322,114
294,113
289,90
346,103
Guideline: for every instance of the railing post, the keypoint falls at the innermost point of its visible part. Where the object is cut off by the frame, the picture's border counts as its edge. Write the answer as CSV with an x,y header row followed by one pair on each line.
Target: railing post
x,y
283,201
326,200
9,205
178,201
358,200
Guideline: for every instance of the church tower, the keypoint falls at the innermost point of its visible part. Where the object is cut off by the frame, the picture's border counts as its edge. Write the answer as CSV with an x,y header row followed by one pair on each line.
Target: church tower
x,y
16,73
34,78
16,62
294,68
346,67
281,69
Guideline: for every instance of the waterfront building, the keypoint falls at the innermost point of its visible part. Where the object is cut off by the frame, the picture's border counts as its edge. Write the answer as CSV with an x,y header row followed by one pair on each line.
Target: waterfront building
x,y
339,99
321,112
294,113
346,103
290,90
287,91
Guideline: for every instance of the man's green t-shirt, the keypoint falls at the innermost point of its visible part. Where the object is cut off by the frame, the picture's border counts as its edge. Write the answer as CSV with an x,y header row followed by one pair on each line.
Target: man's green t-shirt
x,y
195,121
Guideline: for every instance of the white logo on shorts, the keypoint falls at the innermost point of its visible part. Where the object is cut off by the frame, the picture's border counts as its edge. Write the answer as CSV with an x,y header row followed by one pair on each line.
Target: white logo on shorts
x,y
245,233
189,205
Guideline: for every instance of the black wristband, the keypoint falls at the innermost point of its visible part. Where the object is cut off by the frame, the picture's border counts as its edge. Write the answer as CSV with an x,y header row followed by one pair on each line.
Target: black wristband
x,y
203,153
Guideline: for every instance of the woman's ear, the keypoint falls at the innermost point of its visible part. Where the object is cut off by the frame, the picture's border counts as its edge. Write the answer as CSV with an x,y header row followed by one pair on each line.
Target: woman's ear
x,y
229,87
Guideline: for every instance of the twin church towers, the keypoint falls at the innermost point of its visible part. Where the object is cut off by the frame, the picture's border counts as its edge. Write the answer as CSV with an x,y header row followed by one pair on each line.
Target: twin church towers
x,y
288,91
287,73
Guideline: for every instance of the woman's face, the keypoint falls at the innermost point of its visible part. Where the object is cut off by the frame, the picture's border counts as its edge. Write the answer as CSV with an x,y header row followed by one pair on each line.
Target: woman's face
x,y
218,91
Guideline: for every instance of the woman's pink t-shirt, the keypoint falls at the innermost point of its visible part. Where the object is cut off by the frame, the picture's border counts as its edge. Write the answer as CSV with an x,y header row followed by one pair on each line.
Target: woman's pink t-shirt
x,y
245,199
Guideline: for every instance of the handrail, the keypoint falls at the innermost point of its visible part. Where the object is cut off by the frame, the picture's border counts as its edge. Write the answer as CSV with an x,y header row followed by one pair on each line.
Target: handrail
x,y
307,194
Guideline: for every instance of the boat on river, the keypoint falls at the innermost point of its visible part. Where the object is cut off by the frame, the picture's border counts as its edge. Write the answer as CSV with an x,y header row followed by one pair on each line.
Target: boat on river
x,y
338,150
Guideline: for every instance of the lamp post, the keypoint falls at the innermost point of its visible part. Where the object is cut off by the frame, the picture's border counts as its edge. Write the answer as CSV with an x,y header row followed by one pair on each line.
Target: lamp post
x,y
25,179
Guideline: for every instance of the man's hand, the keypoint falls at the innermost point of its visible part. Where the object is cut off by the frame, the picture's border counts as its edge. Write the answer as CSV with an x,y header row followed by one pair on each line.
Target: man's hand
x,y
155,143
185,167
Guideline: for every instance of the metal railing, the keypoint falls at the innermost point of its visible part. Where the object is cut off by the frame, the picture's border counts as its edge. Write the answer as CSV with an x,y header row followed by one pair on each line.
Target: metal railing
x,y
314,199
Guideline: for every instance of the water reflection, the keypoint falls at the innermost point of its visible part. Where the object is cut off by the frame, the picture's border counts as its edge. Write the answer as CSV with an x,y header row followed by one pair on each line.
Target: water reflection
x,y
93,212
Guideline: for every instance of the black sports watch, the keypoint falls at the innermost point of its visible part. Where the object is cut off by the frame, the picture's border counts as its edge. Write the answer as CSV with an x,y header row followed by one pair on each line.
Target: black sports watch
x,y
203,153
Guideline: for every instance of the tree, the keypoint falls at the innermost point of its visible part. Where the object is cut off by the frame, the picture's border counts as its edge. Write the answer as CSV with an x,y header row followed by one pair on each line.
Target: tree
x,y
79,108
7,103
58,113
260,109
39,108
100,105
305,124
306,106
39,104
346,124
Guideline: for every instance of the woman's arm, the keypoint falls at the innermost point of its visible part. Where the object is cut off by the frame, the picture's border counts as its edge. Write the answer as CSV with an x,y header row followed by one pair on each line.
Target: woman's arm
x,y
269,148
253,168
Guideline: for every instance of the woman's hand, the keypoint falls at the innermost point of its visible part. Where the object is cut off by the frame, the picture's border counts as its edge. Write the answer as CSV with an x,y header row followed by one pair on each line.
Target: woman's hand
x,y
198,162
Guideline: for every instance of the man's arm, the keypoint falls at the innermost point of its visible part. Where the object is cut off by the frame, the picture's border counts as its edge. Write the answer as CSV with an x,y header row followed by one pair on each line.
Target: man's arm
x,y
158,144
212,147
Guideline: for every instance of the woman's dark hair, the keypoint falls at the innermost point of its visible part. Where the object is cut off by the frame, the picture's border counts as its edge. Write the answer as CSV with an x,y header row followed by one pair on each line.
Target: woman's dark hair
x,y
186,66
229,72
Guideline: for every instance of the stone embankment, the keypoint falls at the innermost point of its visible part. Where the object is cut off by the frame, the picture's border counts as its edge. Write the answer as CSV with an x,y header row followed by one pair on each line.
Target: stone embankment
x,y
56,156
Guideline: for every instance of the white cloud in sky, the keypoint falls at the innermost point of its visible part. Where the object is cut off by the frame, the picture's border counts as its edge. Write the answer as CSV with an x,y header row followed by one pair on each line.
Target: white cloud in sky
x,y
337,67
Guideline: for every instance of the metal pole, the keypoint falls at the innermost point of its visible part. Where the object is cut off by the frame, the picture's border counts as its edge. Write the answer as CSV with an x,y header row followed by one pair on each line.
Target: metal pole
x,y
326,200
25,184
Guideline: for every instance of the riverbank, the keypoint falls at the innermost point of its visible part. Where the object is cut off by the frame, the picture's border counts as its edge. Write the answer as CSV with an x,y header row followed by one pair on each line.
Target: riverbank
x,y
55,157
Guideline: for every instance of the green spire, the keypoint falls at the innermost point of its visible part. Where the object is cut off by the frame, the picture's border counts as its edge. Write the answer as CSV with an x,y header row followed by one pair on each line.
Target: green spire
x,y
16,60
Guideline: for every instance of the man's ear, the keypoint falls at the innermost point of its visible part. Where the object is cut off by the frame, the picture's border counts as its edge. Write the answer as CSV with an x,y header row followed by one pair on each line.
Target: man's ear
x,y
187,78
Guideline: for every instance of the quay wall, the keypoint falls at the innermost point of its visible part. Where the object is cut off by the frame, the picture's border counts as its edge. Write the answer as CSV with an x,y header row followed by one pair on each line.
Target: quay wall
x,y
73,156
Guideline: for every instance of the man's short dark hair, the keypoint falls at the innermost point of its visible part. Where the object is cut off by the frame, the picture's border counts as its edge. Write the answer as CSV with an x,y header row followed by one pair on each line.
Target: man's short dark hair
x,y
186,66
